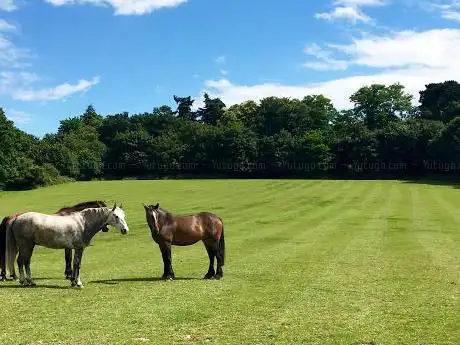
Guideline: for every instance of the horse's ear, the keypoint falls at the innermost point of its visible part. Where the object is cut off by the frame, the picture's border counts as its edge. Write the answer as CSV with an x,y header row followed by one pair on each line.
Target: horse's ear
x,y
114,207
121,205
145,207
156,206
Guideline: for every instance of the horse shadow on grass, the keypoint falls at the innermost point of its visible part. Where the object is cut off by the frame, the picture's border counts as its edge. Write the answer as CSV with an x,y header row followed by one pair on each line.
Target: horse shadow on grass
x,y
16,285
38,286
138,279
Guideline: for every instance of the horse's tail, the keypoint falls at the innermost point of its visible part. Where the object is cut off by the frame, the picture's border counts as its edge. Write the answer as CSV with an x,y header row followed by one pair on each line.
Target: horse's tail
x,y
3,247
221,245
11,246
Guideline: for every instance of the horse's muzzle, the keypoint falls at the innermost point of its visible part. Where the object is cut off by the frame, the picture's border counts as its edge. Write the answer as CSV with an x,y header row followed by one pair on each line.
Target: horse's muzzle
x,y
124,231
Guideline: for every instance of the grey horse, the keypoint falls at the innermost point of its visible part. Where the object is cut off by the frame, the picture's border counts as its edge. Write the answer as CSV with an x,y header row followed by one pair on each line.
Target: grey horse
x,y
72,231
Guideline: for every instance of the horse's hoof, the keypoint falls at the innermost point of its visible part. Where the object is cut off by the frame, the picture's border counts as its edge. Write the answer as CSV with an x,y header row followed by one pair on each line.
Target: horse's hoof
x,y
168,277
13,277
3,278
209,276
32,284
217,277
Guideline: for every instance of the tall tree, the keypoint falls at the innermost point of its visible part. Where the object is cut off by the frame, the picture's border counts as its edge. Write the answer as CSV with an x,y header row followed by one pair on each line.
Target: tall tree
x,y
184,108
440,101
91,118
213,110
378,105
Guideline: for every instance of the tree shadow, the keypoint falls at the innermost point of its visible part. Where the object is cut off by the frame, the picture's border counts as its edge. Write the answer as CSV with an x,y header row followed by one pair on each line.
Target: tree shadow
x,y
453,182
139,279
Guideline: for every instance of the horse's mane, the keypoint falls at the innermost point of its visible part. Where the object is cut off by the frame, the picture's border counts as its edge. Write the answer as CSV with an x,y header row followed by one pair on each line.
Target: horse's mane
x,y
168,216
83,205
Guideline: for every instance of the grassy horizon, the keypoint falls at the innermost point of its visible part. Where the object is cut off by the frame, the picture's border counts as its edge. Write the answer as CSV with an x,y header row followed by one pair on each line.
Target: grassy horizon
x,y
307,262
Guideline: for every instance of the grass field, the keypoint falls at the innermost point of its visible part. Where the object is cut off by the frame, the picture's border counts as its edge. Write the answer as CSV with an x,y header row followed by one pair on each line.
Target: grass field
x,y
307,262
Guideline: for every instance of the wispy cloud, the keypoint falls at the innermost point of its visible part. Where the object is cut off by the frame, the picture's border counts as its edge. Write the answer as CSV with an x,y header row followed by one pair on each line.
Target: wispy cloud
x,y
8,5
350,10
58,92
350,13
451,15
220,60
12,56
124,7
449,9
6,27
19,82
400,49
18,116
326,61
356,3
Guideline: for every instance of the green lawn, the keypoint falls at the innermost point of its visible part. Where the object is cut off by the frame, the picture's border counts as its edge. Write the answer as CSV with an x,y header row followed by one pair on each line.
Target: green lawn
x,y
307,262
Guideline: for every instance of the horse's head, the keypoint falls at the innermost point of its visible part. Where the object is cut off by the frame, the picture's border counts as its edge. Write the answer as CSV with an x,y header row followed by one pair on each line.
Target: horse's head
x,y
117,219
153,215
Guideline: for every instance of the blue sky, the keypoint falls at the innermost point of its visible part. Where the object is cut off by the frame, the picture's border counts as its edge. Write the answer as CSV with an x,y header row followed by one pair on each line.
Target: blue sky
x,y
58,56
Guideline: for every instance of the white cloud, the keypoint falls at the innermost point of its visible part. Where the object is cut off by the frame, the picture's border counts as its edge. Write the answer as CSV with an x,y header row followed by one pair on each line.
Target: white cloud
x,y
6,27
451,15
405,48
17,82
9,78
124,7
223,72
327,62
350,13
12,56
350,10
450,10
18,116
400,58
8,5
357,3
55,93
402,49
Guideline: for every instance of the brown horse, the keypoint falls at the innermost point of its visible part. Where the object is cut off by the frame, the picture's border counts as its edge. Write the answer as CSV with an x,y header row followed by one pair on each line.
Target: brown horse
x,y
68,252
167,230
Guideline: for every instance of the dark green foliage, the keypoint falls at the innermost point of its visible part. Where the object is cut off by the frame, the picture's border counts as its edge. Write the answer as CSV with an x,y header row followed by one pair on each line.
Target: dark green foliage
x,y
212,112
278,136
441,101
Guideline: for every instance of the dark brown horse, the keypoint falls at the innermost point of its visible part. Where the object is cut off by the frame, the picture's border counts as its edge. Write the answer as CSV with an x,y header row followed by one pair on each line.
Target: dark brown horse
x,y
167,230
68,252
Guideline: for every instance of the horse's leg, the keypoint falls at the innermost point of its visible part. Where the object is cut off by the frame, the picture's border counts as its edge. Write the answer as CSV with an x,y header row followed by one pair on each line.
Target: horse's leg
x,y
76,282
168,272
219,272
211,254
3,266
20,261
68,263
27,258
13,275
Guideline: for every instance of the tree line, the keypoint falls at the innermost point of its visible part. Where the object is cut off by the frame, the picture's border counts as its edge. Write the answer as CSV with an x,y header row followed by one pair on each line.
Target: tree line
x,y
381,134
